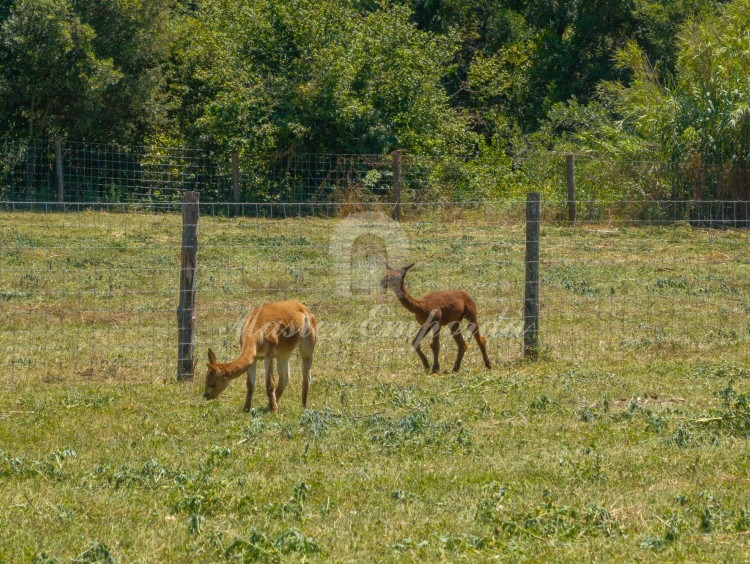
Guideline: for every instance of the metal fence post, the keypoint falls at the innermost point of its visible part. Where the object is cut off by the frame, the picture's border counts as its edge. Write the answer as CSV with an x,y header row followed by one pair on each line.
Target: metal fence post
x,y
397,185
531,297
186,309
571,179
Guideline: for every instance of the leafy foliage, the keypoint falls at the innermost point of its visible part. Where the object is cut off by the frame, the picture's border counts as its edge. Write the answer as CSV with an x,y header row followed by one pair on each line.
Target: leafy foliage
x,y
83,68
700,117
500,84
319,76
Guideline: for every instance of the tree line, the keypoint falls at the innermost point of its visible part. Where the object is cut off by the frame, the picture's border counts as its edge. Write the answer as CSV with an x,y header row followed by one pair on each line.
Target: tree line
x,y
491,80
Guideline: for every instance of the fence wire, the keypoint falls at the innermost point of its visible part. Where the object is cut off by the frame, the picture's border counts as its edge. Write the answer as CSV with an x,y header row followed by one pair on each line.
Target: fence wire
x,y
110,173
92,291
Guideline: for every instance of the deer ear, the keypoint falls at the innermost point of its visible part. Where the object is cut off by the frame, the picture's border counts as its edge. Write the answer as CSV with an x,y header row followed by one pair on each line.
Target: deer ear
x,y
211,357
408,267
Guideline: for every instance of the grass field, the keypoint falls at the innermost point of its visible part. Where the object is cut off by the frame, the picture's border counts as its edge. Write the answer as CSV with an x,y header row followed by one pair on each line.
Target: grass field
x,y
627,440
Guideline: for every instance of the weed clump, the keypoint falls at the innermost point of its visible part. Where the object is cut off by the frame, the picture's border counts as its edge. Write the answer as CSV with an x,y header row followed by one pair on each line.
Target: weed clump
x,y
416,431
293,508
550,520
50,467
262,548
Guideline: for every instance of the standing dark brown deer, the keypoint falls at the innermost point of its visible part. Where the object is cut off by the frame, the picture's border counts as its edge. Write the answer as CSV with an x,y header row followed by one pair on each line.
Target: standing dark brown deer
x,y
435,311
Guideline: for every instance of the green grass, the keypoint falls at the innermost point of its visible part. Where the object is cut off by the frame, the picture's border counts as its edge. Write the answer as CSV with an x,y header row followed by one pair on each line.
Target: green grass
x,y
627,440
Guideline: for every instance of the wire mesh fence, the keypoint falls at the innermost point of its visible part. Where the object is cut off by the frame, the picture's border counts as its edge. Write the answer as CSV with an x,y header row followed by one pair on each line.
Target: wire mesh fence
x,y
605,180
92,292
108,173
93,172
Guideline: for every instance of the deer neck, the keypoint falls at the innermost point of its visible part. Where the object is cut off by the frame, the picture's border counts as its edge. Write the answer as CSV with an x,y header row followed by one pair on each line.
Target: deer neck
x,y
407,300
247,355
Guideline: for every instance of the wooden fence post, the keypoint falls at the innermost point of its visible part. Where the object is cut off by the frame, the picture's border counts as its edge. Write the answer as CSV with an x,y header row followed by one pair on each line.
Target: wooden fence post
x,y
571,178
397,185
186,309
236,181
59,170
531,295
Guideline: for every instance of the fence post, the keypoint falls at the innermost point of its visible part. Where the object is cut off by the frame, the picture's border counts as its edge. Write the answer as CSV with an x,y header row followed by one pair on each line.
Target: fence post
x,y
186,309
236,181
397,185
571,178
531,297
59,170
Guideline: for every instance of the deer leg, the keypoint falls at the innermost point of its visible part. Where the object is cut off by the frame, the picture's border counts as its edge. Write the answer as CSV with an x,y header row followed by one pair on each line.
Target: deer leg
x,y
272,405
416,346
250,386
459,338
306,366
481,341
283,365
306,349
435,349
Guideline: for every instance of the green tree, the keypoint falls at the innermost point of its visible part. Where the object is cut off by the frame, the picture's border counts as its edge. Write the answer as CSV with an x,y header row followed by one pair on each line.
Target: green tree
x,y
321,76
51,75
658,23
517,60
698,119
89,69
136,35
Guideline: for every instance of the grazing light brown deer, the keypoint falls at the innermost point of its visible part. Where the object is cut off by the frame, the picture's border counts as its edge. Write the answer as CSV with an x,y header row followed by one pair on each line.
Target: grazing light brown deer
x,y
435,311
271,331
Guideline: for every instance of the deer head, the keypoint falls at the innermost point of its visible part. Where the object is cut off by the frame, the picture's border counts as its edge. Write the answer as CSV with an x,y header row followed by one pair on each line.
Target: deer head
x,y
217,379
394,277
